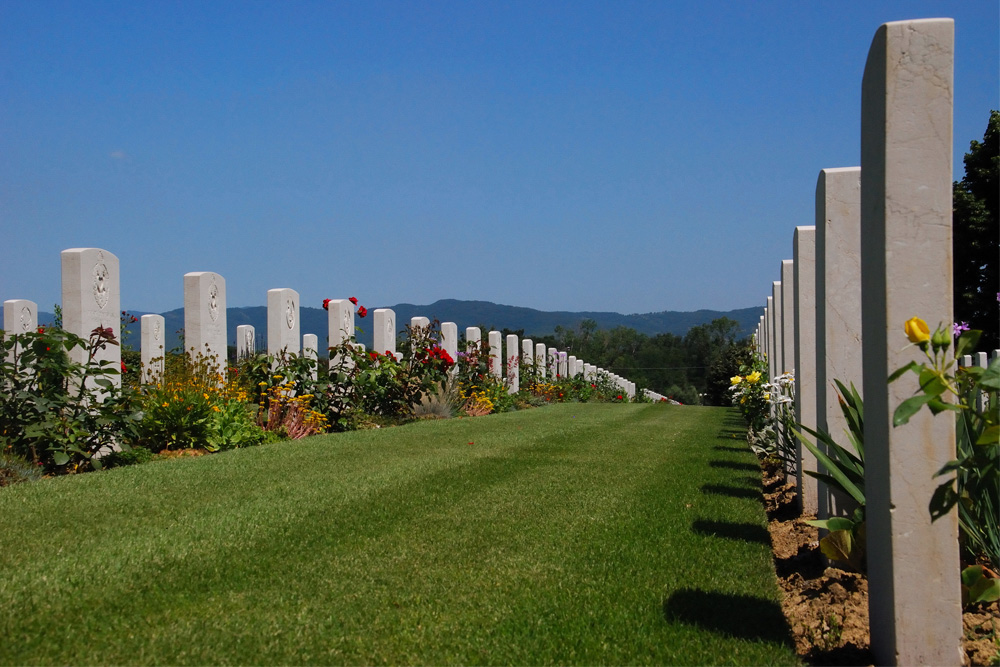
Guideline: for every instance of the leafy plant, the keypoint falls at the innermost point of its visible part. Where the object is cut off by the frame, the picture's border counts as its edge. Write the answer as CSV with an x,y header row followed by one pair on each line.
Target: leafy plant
x,y
974,485
845,471
59,412
15,469
977,587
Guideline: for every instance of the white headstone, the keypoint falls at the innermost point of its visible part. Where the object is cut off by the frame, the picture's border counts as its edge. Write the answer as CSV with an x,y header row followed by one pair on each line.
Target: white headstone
x,y
205,318
20,316
449,342
513,364
906,271
152,337
246,341
540,360
91,298
385,331
804,248
419,322
553,363
310,350
496,362
282,322
340,326
563,365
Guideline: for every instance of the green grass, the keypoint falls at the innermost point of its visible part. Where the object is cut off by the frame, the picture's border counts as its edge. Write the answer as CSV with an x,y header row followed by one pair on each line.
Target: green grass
x,y
594,534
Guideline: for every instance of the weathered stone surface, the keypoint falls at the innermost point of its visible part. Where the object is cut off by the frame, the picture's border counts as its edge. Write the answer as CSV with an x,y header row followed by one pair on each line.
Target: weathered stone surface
x,y
152,337
384,324
340,330
804,257
838,307
553,363
540,360
91,298
205,318
283,337
906,271
563,365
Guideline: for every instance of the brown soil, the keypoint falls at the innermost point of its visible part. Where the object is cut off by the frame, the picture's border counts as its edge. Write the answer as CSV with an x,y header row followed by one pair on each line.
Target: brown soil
x,y
826,607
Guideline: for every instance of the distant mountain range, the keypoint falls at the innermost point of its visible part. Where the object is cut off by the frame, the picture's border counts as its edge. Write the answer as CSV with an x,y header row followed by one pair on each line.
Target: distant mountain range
x,y
468,314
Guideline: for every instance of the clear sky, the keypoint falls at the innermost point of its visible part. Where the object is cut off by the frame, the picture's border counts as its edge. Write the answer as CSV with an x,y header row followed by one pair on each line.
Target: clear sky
x,y
622,156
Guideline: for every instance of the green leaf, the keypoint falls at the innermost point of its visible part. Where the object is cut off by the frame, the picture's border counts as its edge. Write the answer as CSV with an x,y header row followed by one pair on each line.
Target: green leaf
x,y
971,575
103,382
991,378
990,436
910,407
912,366
931,382
967,341
837,545
60,458
835,468
937,406
839,523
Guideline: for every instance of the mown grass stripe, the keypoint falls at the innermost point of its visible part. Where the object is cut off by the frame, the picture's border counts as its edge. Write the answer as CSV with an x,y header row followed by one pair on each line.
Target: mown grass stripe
x,y
573,534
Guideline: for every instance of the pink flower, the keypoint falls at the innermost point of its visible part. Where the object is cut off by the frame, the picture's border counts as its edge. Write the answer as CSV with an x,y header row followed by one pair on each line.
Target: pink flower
x,y
959,327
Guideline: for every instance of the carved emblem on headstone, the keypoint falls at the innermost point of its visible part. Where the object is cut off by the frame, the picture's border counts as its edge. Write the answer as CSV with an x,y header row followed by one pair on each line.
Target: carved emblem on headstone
x,y
290,314
102,290
390,328
213,302
156,330
346,313
248,340
27,321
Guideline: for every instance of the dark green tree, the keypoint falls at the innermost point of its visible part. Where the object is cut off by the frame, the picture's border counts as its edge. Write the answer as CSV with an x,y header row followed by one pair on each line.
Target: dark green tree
x,y
976,237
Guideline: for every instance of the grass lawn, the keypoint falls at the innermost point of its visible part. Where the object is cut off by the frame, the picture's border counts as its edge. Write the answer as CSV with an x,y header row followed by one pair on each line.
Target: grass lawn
x,y
594,534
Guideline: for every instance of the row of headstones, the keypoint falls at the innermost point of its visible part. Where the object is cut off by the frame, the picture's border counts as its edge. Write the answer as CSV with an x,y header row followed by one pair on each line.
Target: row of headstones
x,y
91,299
880,253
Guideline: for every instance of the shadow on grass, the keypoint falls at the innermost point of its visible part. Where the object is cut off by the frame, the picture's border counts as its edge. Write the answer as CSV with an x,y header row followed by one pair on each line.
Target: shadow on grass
x,y
731,491
740,616
726,448
733,465
744,532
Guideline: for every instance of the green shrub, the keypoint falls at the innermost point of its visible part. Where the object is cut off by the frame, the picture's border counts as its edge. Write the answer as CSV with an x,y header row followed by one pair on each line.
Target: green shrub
x,y
15,469
127,457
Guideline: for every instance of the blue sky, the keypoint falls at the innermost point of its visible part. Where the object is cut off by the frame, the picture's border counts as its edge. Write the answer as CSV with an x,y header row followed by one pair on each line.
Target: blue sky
x,y
621,156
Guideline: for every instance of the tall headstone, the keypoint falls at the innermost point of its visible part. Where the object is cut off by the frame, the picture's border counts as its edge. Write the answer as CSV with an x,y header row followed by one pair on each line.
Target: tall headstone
x,y
787,316
91,298
571,366
384,323
496,354
528,355
513,364
205,318
419,321
838,307
152,337
776,362
553,363
540,360
340,329
283,322
563,365
804,251
473,335
906,271
246,341
310,350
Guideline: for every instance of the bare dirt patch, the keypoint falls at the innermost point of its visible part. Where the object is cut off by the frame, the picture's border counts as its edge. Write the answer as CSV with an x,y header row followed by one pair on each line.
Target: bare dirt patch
x,y
826,607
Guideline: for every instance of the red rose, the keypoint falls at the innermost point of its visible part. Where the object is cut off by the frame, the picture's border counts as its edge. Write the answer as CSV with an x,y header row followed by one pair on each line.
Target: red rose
x,y
362,311
41,329
124,370
326,304
353,300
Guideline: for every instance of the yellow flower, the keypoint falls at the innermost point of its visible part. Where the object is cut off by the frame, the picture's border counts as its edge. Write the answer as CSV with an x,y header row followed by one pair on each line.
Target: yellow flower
x,y
767,397
917,330
736,379
753,377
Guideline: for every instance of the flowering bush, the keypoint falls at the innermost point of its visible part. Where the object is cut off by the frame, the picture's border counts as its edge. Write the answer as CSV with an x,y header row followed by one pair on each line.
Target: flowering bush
x,y
58,413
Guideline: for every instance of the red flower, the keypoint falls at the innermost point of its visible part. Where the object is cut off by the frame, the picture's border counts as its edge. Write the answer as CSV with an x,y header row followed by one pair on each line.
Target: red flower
x,y
124,370
619,397
353,300
326,304
41,329
362,311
